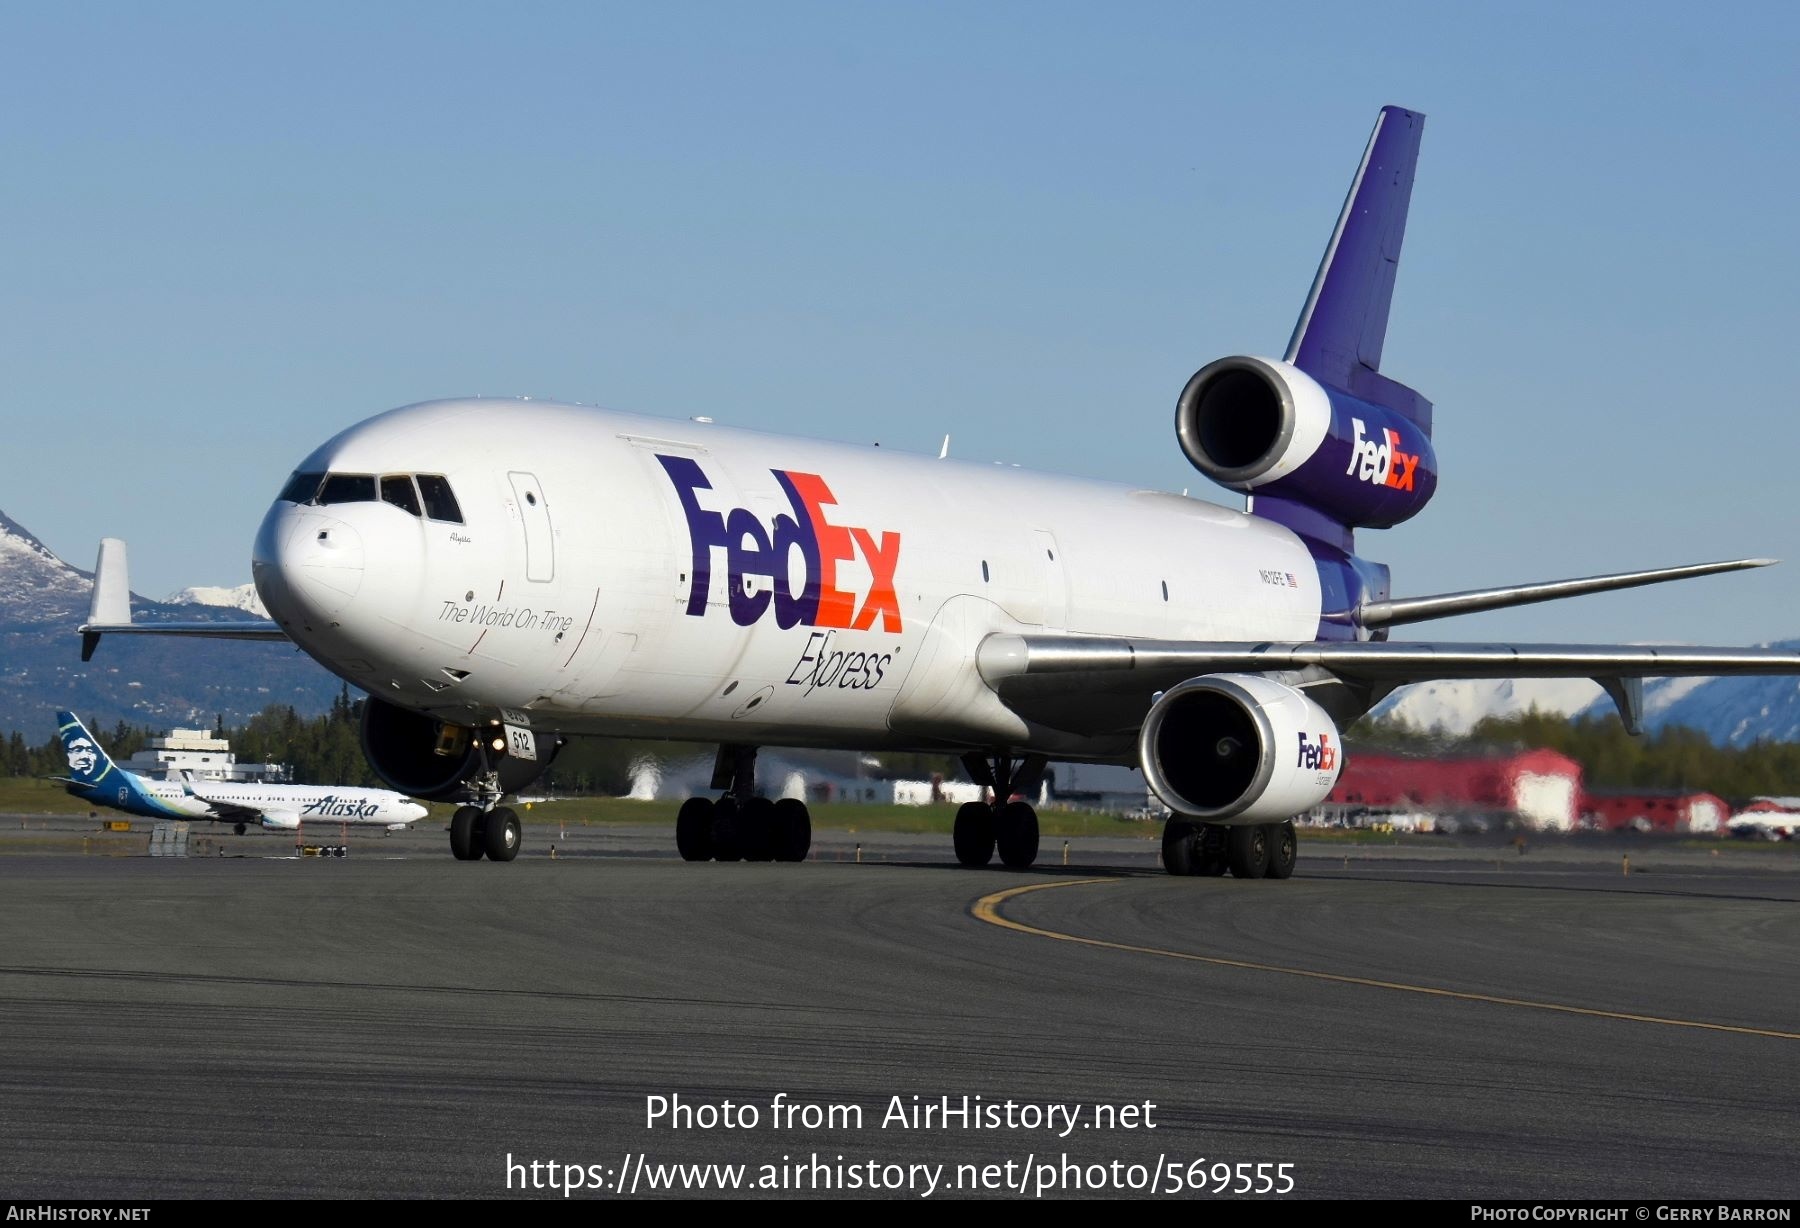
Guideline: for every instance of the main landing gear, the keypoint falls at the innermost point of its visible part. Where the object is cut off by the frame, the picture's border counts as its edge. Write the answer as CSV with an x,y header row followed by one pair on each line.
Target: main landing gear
x,y
1007,827
741,826
1258,850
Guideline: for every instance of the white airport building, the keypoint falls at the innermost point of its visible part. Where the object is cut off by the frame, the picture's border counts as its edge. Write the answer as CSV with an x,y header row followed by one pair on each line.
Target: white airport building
x,y
207,757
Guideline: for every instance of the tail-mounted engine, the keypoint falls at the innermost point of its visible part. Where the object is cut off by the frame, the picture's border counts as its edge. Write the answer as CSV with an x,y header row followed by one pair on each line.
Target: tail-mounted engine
x,y
1239,748
425,758
1257,424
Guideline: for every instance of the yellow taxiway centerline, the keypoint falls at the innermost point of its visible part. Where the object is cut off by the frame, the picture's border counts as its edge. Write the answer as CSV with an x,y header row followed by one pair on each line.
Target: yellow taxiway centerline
x,y
987,909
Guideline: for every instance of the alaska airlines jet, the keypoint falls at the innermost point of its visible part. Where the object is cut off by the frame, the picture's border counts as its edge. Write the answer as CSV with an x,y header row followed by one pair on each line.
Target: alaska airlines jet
x,y
96,778
501,574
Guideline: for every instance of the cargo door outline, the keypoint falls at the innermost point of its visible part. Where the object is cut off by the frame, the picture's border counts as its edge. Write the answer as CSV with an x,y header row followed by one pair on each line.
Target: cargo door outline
x,y
1055,582
534,518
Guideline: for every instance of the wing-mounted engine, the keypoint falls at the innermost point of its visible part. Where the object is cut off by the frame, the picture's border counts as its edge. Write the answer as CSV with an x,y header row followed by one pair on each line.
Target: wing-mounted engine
x,y
425,758
1239,748
1265,426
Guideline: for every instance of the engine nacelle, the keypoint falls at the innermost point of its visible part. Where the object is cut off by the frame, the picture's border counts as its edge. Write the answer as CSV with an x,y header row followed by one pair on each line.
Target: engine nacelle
x,y
1239,748
1258,424
411,753
281,822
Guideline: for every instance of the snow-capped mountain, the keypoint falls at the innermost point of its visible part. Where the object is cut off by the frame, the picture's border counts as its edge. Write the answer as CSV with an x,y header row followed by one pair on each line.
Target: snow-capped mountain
x,y
149,681
243,597
1730,711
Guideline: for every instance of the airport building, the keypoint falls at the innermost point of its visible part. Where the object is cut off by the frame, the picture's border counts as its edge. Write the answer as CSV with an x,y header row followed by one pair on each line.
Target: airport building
x,y
1692,810
1534,788
205,756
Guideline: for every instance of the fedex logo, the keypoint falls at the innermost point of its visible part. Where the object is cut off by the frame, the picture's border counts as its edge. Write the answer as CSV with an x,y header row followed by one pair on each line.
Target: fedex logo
x,y
1381,463
755,552
1320,756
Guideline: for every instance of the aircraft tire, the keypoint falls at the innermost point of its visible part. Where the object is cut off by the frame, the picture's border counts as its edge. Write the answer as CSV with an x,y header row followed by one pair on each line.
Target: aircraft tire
x,y
793,830
726,838
1016,835
1284,849
501,834
465,834
1181,852
974,834
694,829
1247,850
756,829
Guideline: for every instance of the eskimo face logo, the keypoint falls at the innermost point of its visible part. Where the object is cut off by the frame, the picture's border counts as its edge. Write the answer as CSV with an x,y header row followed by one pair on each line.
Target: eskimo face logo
x,y
82,756
760,560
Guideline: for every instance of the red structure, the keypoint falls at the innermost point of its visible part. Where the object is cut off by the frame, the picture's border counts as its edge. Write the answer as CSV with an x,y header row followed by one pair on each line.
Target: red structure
x,y
1540,787
1656,810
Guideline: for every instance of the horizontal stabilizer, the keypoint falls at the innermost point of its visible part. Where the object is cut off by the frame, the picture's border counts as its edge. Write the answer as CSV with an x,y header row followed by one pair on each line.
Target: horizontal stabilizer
x,y
1475,601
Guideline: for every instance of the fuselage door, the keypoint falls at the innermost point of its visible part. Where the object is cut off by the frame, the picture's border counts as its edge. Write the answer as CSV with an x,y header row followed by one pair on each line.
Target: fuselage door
x,y
1055,581
534,517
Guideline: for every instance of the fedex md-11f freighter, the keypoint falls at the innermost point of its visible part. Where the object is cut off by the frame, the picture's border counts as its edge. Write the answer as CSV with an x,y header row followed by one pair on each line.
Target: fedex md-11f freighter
x,y
499,575
95,778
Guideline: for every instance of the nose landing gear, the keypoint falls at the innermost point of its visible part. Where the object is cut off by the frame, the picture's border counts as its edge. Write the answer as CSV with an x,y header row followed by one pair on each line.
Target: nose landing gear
x,y
485,828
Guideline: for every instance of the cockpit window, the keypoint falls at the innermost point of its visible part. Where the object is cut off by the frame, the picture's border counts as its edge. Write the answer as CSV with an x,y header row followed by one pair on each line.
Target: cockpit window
x,y
301,487
440,503
397,488
347,488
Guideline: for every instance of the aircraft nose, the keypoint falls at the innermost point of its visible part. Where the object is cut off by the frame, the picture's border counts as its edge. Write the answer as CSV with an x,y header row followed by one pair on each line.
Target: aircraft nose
x,y
414,811
307,563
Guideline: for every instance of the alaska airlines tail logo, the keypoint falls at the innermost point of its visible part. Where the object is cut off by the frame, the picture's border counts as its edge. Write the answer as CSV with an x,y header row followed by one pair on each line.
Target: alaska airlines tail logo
x,y
87,762
82,755
759,558
1383,463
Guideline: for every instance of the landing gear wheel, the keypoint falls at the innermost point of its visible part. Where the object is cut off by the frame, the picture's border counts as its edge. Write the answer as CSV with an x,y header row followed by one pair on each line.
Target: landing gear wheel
x,y
727,843
1247,850
1210,842
792,825
465,834
239,829
756,829
974,834
1181,852
693,829
501,834
1016,835
1284,849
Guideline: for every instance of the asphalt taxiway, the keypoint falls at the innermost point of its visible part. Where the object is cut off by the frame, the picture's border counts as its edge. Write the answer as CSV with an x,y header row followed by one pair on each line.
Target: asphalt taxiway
x,y
1458,1023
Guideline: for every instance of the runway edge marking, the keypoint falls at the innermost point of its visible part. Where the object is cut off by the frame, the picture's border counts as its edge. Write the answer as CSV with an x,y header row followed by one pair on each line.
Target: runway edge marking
x,y
987,910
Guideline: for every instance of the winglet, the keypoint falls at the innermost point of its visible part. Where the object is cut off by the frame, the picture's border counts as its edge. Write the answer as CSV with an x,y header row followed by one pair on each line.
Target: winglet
x,y
110,604
1341,330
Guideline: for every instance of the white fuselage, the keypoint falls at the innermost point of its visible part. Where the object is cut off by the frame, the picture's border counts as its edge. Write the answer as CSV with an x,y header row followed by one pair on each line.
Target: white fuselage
x,y
284,806
567,590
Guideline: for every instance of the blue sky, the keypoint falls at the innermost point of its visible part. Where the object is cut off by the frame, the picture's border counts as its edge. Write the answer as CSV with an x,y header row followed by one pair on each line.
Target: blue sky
x,y
228,231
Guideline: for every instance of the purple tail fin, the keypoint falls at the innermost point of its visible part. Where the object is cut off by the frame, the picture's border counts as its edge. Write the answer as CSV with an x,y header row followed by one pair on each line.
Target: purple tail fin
x,y
1339,335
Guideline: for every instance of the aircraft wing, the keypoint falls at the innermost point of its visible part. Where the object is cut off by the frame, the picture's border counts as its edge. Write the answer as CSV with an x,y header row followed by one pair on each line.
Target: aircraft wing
x,y
1050,677
229,812
109,610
